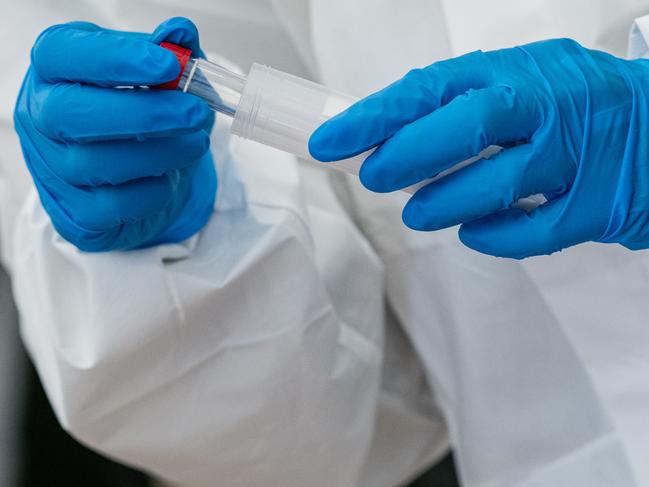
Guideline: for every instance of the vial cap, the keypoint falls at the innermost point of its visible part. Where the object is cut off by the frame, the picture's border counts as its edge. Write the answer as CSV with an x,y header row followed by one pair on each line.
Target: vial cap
x,y
182,54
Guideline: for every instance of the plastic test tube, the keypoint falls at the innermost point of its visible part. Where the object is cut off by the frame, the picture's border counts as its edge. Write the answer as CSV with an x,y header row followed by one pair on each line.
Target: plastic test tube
x,y
268,106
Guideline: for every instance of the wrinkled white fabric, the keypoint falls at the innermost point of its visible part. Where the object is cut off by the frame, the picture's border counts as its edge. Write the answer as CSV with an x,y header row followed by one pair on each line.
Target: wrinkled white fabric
x,y
295,341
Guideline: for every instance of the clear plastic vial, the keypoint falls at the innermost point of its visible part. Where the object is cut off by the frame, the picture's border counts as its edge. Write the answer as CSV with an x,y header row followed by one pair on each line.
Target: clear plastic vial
x,y
268,106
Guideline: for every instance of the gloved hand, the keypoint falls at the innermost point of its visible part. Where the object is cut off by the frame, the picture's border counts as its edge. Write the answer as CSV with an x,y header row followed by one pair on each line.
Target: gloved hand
x,y
574,124
116,168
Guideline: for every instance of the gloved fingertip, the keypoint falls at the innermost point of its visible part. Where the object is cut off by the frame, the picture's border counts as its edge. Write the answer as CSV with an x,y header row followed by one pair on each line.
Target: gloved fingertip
x,y
322,145
371,178
412,216
471,237
376,175
159,62
479,236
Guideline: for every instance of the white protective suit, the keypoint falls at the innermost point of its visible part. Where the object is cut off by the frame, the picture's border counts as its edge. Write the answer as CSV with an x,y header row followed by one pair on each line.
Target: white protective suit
x,y
305,337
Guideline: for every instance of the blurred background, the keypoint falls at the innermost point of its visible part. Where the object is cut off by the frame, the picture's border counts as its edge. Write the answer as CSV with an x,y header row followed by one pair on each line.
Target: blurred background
x,y
36,452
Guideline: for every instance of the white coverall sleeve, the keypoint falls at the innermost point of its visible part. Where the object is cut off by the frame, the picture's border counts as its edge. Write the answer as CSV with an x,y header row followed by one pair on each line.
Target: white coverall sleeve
x,y
241,358
252,355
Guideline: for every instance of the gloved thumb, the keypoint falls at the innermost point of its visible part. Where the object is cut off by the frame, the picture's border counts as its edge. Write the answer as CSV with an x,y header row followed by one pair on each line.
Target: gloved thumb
x,y
178,30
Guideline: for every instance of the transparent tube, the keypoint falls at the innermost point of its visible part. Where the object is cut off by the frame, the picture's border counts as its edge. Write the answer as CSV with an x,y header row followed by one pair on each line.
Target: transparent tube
x,y
282,111
271,107
218,86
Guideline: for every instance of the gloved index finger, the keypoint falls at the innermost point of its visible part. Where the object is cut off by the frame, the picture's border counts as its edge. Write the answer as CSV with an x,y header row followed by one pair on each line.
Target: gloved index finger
x,y
80,52
374,119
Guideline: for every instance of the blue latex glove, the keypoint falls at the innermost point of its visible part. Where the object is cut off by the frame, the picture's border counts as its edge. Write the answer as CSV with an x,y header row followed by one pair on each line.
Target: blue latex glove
x,y
574,124
116,168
